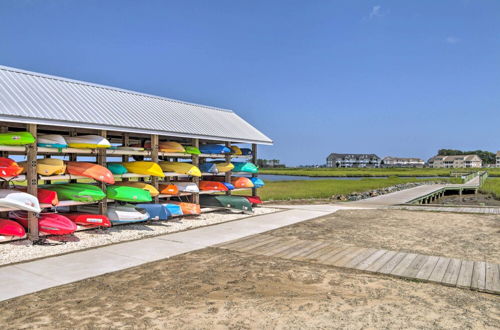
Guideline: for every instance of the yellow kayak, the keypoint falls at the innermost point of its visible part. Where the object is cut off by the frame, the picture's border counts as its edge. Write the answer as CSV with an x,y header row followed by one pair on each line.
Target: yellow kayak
x,y
142,185
236,150
181,168
47,166
224,167
146,168
87,141
167,146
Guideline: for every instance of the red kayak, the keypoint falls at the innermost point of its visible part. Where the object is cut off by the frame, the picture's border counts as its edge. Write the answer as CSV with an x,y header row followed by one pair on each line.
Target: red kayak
x,y
45,196
48,223
254,199
10,229
90,170
212,185
88,220
8,167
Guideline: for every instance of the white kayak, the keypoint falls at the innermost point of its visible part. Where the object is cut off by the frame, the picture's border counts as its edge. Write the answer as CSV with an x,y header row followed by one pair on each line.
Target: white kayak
x,y
17,200
187,187
120,213
51,141
88,141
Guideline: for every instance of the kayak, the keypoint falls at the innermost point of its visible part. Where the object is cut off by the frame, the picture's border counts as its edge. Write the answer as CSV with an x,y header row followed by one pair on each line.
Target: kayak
x,y
44,196
88,219
10,229
232,202
246,151
128,194
90,170
181,168
47,166
242,182
166,146
236,150
51,141
212,185
14,199
48,223
245,167
174,209
192,150
187,187
224,167
156,211
141,185
16,138
79,192
87,141
228,185
9,167
209,168
168,189
214,149
188,208
120,213
257,183
254,199
116,168
143,167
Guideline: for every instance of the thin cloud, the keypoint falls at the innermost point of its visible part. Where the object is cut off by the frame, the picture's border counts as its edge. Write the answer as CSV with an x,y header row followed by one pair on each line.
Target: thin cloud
x,y
452,40
376,11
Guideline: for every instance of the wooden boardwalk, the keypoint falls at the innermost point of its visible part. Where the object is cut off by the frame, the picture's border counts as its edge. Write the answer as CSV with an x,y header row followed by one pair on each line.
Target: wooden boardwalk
x,y
476,275
457,209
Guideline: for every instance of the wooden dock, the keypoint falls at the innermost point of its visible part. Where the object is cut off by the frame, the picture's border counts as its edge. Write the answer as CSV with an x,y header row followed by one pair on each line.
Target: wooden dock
x,y
475,275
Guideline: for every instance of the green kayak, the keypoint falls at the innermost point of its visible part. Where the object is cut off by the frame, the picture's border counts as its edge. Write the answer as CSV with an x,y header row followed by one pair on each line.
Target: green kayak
x,y
117,168
192,150
245,167
232,202
128,194
79,192
16,138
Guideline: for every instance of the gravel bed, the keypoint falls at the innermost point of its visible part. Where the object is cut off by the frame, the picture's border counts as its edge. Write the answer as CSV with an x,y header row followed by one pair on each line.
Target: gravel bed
x,y
17,251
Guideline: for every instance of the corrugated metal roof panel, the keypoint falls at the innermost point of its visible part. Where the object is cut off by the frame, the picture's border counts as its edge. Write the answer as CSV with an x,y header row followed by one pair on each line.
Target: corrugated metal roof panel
x,y
37,98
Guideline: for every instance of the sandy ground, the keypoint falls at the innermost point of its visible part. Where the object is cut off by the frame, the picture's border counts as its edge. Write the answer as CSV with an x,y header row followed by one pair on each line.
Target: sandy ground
x,y
220,289
17,251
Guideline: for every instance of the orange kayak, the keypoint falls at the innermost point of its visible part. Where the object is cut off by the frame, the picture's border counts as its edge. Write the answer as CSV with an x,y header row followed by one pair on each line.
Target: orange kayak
x,y
242,182
168,189
212,185
90,170
167,146
188,208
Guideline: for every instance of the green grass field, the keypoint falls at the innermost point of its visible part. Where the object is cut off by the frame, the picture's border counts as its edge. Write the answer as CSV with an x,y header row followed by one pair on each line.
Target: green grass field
x,y
288,190
369,172
491,186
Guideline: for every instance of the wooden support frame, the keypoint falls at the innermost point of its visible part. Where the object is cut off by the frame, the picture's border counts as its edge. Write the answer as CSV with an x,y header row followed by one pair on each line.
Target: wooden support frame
x,y
195,159
154,158
254,160
125,143
101,160
229,173
32,182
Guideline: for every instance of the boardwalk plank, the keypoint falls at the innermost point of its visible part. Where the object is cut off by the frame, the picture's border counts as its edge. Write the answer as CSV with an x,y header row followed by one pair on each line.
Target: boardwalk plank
x,y
492,278
336,255
451,275
380,262
239,240
479,276
402,266
341,262
415,266
391,264
370,260
316,251
439,270
271,246
359,258
465,276
245,242
325,251
305,249
256,245
291,247
427,268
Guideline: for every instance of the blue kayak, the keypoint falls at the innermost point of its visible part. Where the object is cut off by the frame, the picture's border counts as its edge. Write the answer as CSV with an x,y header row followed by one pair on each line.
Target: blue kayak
x,y
257,183
246,151
208,168
156,211
228,185
173,209
214,149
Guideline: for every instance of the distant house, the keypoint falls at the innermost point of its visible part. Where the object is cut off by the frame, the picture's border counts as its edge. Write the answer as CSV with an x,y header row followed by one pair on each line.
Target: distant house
x,y
459,161
498,158
352,160
402,162
269,163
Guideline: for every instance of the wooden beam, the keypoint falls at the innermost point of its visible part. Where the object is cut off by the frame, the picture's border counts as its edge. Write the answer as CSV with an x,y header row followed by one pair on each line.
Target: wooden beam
x,y
195,197
101,160
154,158
228,174
32,182
126,143
254,160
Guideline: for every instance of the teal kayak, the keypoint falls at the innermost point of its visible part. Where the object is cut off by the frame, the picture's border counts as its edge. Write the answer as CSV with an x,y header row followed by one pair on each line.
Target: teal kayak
x,y
117,168
231,202
245,167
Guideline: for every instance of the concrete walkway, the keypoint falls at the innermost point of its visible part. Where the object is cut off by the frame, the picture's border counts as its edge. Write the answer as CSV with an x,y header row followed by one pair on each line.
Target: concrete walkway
x,y
29,277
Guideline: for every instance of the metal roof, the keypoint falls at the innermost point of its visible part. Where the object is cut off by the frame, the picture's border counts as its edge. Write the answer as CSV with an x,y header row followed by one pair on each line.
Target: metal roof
x,y
30,97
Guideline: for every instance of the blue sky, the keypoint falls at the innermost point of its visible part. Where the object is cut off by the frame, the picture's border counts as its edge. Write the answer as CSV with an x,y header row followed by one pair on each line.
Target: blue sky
x,y
399,78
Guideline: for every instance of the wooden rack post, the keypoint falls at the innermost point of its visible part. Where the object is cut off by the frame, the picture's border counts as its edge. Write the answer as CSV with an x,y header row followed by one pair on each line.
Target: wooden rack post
x,y
154,158
254,160
101,160
32,181
195,197
229,173
126,143
4,184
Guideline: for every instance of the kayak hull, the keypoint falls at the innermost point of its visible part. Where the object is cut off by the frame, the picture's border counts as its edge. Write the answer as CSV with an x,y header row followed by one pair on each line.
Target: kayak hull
x,y
128,194
257,182
156,211
214,149
212,185
188,208
145,168
87,142
245,167
51,141
169,189
141,185
117,168
16,138
19,200
9,167
187,187
242,182
174,209
48,223
90,170
88,219
79,192
192,150
181,168
231,202
10,229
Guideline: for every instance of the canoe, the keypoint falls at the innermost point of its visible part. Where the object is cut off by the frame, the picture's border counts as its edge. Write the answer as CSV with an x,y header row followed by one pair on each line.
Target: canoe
x,y
119,213
87,141
214,149
187,187
167,146
117,168
231,202
156,211
192,150
141,185
235,150
257,183
44,196
242,182
246,151
143,167
228,185
17,200
51,141
181,168
245,167
9,167
188,208
209,168
79,192
10,229
212,185
48,223
254,199
128,194
224,167
90,170
88,219
168,189
16,138
47,166
174,209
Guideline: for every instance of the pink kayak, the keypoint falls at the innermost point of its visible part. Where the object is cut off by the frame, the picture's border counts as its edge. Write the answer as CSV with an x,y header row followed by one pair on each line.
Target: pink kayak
x,y
10,229
48,223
